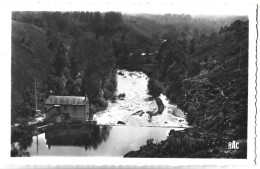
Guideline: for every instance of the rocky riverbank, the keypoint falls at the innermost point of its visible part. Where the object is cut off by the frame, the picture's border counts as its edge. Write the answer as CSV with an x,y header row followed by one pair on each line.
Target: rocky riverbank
x,y
190,143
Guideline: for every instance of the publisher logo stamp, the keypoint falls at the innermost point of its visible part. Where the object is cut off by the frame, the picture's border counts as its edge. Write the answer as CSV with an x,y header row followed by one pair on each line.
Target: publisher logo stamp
x,y
234,145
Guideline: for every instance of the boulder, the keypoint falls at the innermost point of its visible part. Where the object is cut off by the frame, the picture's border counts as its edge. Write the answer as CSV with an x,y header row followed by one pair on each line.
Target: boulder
x,y
121,122
121,73
150,119
177,113
121,96
160,108
160,105
150,113
150,116
140,113
148,99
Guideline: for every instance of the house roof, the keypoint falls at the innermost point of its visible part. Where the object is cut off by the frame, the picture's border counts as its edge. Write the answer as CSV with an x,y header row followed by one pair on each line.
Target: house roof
x,y
66,100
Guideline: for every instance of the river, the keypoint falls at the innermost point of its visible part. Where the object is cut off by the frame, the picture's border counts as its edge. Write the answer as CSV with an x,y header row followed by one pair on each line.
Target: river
x,y
108,138
134,86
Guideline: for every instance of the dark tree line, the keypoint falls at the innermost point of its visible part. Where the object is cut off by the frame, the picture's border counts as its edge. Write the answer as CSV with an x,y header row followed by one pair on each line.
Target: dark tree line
x,y
64,53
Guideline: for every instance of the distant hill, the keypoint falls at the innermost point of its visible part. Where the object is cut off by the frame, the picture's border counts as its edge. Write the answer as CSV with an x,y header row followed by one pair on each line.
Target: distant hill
x,y
146,27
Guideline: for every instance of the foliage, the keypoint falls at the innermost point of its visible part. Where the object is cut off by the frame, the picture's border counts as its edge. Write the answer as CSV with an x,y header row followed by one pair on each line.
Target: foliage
x,y
154,87
43,49
99,66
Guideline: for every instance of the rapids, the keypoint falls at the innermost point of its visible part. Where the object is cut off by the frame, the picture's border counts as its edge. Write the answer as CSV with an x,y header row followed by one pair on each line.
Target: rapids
x,y
134,86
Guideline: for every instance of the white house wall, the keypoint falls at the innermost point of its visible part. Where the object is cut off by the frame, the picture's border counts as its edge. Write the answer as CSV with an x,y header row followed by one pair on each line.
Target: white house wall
x,y
51,113
79,113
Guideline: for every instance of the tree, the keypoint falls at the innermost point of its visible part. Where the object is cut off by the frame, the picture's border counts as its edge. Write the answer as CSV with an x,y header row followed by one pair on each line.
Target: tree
x,y
154,87
113,18
97,62
97,18
92,86
192,45
135,61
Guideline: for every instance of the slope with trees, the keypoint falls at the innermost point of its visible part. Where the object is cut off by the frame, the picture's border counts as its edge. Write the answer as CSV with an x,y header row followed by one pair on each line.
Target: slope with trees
x,y
211,85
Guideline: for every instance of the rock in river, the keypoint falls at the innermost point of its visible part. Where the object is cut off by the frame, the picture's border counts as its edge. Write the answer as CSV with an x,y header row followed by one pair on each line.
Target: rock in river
x,y
121,73
150,113
160,105
140,113
121,96
121,122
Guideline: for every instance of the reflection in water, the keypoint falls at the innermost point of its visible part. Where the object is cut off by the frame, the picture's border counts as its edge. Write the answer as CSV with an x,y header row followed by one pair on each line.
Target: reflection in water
x,y
94,140
88,136
91,140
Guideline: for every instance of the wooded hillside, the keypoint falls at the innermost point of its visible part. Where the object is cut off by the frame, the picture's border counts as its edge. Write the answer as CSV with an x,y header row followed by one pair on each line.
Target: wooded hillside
x,y
209,81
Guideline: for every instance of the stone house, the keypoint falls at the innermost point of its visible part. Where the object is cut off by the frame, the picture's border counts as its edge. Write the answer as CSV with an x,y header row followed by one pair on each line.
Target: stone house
x,y
67,109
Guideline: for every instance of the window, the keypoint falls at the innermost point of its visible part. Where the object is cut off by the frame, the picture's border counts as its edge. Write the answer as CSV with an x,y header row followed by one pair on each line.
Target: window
x,y
74,108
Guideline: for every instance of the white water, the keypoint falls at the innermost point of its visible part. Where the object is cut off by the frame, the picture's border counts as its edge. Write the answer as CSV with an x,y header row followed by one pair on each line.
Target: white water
x,y
134,85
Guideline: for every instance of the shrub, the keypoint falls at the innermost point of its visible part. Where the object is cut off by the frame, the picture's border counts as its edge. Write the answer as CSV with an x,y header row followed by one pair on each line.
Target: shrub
x,y
191,116
108,94
154,87
193,68
110,86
